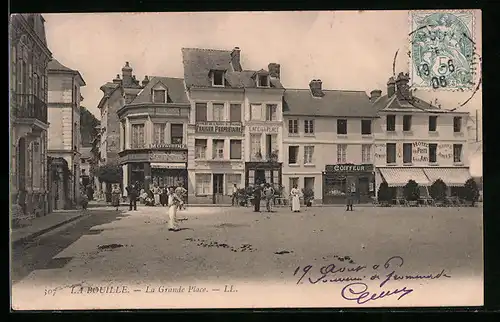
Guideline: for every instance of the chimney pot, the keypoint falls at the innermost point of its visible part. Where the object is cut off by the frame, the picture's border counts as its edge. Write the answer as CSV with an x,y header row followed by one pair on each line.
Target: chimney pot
x,y
316,88
145,81
235,59
391,87
274,70
375,94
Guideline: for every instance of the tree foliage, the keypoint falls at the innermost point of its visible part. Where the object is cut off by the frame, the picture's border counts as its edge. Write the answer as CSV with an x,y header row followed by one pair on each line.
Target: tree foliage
x,y
384,193
411,191
110,173
88,126
438,190
471,191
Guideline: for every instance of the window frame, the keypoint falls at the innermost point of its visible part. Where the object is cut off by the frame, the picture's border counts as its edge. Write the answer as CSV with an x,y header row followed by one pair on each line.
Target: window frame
x,y
294,125
341,153
432,146
309,127
197,155
132,143
231,150
222,75
271,110
155,90
405,159
260,78
220,107
390,126
460,158
181,125
216,153
297,149
407,123
387,146
339,123
309,159
366,153
363,122
433,117
205,189
459,118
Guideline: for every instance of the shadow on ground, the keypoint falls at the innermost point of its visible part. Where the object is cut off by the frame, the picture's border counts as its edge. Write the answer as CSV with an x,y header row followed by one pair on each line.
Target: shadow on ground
x,y
37,253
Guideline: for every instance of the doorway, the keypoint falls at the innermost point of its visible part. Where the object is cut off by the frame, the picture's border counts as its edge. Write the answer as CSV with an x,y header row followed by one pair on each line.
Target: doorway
x,y
260,177
218,187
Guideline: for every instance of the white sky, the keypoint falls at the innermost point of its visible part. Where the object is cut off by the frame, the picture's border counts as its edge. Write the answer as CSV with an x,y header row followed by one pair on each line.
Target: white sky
x,y
345,49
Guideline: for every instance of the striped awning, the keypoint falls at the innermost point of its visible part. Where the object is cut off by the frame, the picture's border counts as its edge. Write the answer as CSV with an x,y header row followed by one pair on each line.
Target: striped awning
x,y
453,177
399,177
168,165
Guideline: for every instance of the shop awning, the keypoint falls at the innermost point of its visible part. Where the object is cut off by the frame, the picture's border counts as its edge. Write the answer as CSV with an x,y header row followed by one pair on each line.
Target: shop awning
x,y
399,177
453,177
168,165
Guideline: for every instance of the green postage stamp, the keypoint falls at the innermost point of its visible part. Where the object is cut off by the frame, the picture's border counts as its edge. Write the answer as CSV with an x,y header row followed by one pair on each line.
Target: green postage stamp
x,y
442,50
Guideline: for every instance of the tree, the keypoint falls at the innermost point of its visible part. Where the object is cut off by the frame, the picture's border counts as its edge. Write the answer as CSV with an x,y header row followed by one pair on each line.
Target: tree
x,y
438,190
471,191
384,193
88,126
411,191
110,173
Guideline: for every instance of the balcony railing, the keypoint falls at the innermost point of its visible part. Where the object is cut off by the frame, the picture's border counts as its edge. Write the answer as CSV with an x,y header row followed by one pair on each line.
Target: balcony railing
x,y
29,106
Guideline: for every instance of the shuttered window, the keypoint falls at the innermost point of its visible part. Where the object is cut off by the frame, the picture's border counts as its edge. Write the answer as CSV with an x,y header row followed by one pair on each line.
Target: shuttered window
x,y
235,113
235,149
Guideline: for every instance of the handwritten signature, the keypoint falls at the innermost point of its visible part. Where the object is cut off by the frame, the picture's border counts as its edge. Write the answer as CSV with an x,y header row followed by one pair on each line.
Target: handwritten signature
x,y
359,292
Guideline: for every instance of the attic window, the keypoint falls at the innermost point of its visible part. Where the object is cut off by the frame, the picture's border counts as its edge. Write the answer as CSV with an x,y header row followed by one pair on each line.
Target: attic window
x,y
218,78
263,81
159,96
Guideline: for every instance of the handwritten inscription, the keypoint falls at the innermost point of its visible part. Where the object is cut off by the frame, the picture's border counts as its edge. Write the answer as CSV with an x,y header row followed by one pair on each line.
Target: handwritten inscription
x,y
358,275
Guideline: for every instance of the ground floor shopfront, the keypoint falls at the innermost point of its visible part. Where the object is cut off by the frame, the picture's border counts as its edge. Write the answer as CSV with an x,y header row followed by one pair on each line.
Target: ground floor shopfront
x,y
398,177
263,172
149,168
212,182
343,180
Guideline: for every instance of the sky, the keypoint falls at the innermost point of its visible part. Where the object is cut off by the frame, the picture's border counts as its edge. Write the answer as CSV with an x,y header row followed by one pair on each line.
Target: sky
x,y
350,50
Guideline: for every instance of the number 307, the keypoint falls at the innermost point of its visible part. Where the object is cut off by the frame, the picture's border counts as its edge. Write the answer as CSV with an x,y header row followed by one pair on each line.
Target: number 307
x,y
438,82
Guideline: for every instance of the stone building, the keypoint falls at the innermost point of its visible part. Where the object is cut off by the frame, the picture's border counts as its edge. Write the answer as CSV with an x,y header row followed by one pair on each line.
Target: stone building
x,y
417,140
329,142
222,95
153,149
64,97
29,56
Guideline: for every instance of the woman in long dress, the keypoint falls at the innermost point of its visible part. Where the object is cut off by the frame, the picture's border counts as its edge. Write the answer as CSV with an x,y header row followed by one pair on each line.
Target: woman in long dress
x,y
116,195
295,195
173,202
156,193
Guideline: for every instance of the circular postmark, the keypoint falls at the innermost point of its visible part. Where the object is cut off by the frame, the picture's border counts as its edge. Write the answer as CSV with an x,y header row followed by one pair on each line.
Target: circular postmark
x,y
442,50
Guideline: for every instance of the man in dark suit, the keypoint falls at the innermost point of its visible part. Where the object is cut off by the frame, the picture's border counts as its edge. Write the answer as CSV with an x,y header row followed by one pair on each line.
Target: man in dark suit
x,y
257,194
132,195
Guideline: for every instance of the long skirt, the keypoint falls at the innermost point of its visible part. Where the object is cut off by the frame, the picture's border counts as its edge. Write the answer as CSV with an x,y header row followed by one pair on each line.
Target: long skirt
x,y
295,203
115,200
157,199
172,217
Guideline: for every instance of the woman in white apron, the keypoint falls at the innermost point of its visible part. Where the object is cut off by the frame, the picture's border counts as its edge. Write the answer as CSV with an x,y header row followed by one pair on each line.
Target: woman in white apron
x,y
295,195
173,202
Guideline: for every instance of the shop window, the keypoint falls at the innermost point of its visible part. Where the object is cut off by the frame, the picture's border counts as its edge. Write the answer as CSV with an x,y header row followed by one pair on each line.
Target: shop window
x,y
406,123
293,126
366,153
235,149
202,184
336,186
366,127
457,124
432,152
159,133
391,152
308,154
342,126
432,123
407,153
218,112
235,113
293,154
176,133
271,112
256,112
218,149
341,153
309,126
200,147
391,123
201,112
457,153
138,136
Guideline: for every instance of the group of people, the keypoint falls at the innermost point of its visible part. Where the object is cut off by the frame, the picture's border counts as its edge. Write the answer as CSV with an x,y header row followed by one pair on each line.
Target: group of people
x,y
158,196
267,192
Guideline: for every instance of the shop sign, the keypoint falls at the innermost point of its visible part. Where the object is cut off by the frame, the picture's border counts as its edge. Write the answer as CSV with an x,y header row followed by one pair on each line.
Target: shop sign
x,y
349,168
380,151
264,129
167,146
172,156
445,151
217,127
420,152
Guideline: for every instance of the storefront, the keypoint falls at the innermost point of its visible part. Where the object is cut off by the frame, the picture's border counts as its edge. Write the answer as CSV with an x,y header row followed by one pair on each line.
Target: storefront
x,y
339,179
263,172
398,177
163,166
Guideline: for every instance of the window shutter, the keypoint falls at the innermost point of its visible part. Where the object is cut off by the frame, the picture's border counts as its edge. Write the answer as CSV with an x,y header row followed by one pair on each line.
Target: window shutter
x,y
235,113
235,149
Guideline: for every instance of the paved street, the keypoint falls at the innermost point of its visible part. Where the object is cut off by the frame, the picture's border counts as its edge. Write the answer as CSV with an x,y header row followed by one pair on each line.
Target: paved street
x,y
133,253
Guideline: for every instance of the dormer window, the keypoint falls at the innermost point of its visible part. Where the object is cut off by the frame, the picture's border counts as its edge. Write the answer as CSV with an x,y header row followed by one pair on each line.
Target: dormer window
x,y
159,96
218,78
263,81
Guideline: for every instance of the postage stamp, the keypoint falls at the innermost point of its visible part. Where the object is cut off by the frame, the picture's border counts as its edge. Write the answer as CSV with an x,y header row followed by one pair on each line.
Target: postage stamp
x,y
442,50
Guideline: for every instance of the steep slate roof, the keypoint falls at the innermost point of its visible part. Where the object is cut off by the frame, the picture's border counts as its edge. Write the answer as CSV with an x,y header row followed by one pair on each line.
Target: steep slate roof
x,y
415,104
55,66
335,103
175,90
198,63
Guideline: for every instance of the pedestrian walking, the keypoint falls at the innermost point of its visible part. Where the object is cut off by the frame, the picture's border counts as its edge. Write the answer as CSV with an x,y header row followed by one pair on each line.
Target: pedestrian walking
x,y
350,195
257,194
173,203
269,195
116,195
234,196
84,201
156,194
181,192
295,196
132,196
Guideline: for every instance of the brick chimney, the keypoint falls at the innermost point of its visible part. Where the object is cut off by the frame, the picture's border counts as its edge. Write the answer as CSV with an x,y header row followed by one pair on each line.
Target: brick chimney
x,y
316,88
145,81
375,94
117,79
235,59
402,88
274,70
391,87
127,74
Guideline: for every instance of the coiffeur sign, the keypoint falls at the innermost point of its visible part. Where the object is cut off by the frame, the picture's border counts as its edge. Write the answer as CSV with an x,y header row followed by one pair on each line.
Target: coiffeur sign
x,y
349,168
218,127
